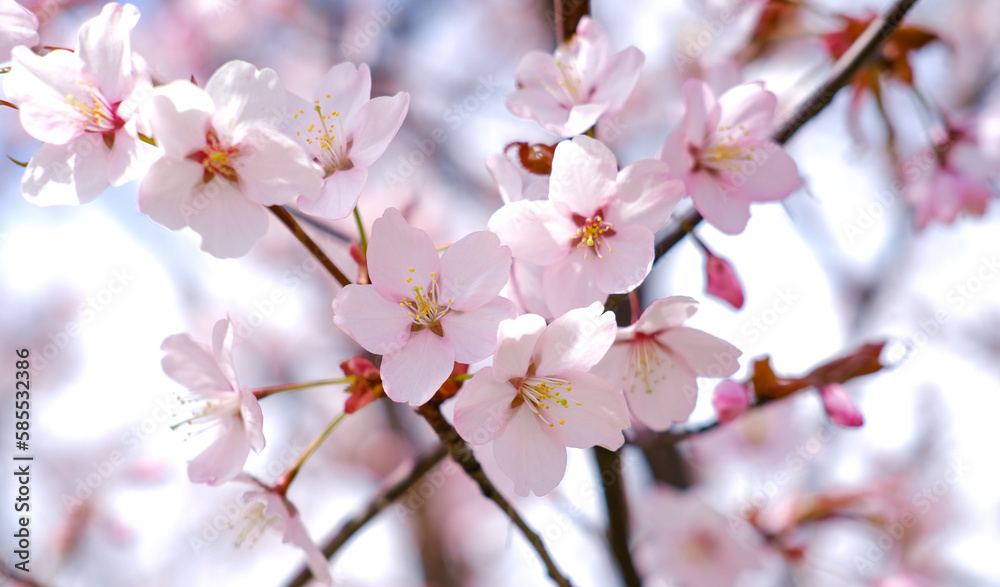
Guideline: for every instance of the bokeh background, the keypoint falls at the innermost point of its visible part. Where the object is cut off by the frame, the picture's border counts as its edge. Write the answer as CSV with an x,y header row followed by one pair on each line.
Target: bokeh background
x,y
93,291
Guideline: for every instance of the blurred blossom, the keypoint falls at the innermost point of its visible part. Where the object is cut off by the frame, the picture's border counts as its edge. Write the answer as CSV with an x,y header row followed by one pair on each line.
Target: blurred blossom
x,y
721,280
730,400
270,510
18,26
568,92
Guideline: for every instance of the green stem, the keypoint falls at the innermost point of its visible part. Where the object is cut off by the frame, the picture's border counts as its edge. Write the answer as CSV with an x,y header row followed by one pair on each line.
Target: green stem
x,y
286,478
361,231
263,392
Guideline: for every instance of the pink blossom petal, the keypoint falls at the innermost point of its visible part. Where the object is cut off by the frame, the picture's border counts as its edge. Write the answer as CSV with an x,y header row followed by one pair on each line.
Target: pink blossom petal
x,y
750,107
398,252
228,223
192,363
646,194
338,196
583,175
707,355
536,231
106,48
702,113
730,400
525,288
622,73
482,407
570,284
20,27
719,205
575,341
74,173
676,155
224,459
532,458
161,191
244,95
588,49
39,86
348,88
253,420
662,392
474,333
123,161
222,349
666,313
594,413
628,260
376,124
543,108
474,270
179,115
287,519
518,339
505,176
379,325
273,169
415,372
840,407
771,175
581,118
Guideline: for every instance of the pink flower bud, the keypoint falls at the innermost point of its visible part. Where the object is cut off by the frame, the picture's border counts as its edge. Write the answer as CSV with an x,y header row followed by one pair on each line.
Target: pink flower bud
x,y
730,400
840,407
721,280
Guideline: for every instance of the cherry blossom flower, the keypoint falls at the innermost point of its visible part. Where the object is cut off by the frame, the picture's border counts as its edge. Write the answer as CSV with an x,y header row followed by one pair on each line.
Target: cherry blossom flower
x,y
568,92
657,361
267,509
423,312
345,131
722,152
958,182
223,158
730,400
538,397
594,235
82,105
682,540
839,406
208,372
18,26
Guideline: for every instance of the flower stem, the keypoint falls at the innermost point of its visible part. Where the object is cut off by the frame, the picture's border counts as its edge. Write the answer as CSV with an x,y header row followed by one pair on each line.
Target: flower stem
x,y
281,486
262,392
310,244
361,230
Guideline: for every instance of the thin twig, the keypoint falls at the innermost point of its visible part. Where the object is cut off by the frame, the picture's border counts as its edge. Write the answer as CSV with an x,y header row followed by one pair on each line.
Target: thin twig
x,y
844,70
381,502
462,455
289,220
566,15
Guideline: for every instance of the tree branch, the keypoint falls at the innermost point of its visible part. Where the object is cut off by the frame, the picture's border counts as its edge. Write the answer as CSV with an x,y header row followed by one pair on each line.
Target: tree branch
x,y
843,72
610,467
381,501
462,455
566,15
286,217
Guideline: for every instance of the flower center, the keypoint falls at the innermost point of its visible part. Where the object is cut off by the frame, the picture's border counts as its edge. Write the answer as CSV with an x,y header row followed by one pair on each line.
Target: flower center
x,y
726,151
332,151
569,77
424,308
645,357
700,548
204,413
591,233
216,158
98,115
541,393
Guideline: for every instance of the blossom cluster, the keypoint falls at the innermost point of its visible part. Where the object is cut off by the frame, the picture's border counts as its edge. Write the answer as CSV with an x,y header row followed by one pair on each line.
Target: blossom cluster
x,y
526,303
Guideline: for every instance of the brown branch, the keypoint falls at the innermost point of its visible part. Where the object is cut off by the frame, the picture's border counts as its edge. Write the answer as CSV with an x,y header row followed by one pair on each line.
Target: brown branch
x,y
609,465
381,501
843,72
567,14
462,455
289,220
